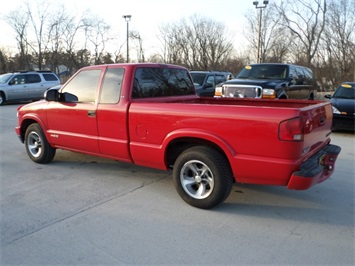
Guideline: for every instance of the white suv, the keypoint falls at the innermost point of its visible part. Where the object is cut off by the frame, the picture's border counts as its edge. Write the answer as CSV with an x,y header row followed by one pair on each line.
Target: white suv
x,y
27,85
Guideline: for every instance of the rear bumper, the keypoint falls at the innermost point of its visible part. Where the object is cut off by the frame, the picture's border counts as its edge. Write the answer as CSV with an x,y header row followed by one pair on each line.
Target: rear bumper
x,y
316,169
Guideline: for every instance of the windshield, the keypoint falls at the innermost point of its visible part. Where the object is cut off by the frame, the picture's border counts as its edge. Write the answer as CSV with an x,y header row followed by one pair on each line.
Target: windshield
x,y
5,78
345,91
263,72
198,78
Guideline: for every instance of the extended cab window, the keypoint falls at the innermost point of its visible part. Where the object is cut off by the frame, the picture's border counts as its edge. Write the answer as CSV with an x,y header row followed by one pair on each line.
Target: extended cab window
x,y
161,82
84,85
111,87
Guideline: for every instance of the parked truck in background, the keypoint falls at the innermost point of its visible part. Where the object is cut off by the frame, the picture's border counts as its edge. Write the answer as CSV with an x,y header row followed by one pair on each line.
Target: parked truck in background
x,y
270,81
150,115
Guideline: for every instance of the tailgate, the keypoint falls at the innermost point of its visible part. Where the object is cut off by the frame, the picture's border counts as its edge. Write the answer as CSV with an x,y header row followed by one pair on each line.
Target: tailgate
x,y
317,126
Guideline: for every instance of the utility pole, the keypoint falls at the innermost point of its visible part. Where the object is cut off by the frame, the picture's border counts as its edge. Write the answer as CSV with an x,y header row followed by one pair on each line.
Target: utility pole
x,y
256,4
127,19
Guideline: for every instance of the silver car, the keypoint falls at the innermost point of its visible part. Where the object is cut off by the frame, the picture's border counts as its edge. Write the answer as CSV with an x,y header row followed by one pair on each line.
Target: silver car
x,y
27,85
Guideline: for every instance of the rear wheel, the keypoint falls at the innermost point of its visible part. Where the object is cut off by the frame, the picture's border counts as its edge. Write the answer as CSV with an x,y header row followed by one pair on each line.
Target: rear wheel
x,y
2,98
202,177
37,146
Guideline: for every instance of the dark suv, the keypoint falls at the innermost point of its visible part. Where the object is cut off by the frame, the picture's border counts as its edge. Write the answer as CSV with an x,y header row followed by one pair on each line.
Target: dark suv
x,y
206,81
270,80
26,85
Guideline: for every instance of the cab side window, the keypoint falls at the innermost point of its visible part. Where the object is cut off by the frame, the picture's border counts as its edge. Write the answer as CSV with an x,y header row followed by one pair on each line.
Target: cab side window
x,y
210,81
84,85
112,84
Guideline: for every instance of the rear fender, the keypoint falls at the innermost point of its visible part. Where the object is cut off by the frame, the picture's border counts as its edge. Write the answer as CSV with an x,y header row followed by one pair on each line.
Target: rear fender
x,y
197,136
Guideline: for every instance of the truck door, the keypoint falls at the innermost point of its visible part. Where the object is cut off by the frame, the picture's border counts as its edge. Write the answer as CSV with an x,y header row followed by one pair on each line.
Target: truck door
x,y
72,121
112,116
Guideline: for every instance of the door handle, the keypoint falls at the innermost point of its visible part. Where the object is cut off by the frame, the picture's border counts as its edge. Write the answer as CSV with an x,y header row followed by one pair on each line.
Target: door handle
x,y
92,113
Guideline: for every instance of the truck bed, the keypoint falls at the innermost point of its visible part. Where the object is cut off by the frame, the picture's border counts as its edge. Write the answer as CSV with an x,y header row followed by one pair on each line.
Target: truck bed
x,y
250,128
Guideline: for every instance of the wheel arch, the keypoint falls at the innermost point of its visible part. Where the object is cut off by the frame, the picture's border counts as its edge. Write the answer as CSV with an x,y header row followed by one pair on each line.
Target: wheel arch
x,y
282,94
26,122
178,142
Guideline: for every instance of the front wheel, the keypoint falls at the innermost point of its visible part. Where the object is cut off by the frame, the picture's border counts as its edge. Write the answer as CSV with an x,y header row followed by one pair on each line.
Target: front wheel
x,y
202,177
37,146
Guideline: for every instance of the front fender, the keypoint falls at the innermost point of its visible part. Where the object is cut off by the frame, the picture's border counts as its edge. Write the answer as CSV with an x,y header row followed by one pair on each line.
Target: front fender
x,y
25,121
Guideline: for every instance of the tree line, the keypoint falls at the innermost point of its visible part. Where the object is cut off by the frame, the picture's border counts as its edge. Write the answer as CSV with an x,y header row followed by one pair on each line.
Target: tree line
x,y
314,33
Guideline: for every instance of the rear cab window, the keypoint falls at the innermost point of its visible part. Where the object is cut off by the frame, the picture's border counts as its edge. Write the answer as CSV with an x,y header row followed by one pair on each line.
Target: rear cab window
x,y
161,82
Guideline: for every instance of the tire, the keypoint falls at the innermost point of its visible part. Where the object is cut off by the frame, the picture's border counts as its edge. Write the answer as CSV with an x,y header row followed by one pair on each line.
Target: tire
x,y
202,177
2,98
37,146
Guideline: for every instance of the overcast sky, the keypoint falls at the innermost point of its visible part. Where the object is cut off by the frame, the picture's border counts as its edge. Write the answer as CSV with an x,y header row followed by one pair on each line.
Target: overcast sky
x,y
147,15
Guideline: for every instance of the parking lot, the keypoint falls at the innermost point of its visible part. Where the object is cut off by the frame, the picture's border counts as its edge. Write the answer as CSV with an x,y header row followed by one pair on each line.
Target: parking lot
x,y
84,210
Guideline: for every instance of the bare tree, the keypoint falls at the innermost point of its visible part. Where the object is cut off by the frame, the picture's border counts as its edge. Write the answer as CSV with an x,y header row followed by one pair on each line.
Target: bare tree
x,y
39,19
140,51
275,42
73,30
198,43
18,20
97,34
339,42
56,27
306,20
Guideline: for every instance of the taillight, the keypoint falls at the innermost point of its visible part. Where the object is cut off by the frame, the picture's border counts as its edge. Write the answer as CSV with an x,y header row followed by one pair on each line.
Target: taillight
x,y
291,130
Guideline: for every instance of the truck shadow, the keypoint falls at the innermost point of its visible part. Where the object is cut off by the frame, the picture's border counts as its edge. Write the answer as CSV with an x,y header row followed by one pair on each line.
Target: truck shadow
x,y
321,205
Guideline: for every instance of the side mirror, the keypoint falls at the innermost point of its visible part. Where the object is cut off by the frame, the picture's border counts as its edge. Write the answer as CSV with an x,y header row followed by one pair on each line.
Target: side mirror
x,y
51,95
328,96
68,97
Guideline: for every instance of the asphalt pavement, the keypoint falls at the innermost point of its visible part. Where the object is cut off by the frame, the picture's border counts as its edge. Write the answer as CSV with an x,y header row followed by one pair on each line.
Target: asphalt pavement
x,y
84,210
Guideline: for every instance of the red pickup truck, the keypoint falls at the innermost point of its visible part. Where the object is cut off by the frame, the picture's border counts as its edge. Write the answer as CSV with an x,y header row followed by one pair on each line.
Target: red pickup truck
x,y
149,115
